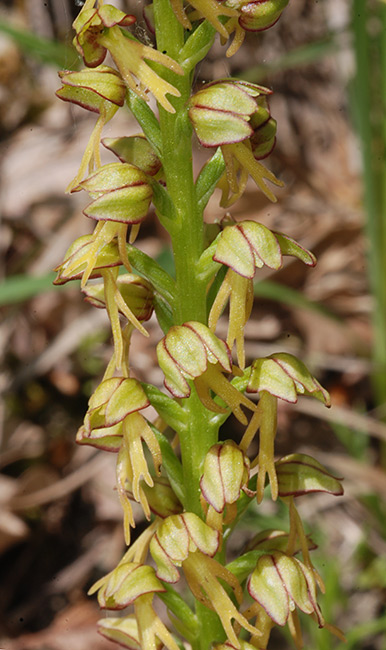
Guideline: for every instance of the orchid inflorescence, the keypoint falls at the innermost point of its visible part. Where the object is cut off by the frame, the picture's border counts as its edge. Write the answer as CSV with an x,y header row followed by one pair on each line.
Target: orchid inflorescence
x,y
195,487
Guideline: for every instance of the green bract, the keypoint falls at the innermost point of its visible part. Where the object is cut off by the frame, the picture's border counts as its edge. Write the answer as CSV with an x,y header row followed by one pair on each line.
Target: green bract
x,y
135,150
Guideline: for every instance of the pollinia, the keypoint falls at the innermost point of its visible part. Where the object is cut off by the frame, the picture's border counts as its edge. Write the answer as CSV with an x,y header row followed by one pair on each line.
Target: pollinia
x,y
193,488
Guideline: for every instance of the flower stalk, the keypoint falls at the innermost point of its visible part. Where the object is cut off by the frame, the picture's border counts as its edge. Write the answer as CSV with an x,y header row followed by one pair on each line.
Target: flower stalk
x,y
192,486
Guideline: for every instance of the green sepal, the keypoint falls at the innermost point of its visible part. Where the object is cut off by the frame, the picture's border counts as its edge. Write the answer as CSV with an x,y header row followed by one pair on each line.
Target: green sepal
x,y
245,564
299,474
163,204
164,314
169,410
152,271
208,178
171,464
182,611
197,46
147,120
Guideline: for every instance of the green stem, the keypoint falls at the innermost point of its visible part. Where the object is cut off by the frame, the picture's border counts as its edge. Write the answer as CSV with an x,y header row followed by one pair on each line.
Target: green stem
x,y
187,235
176,131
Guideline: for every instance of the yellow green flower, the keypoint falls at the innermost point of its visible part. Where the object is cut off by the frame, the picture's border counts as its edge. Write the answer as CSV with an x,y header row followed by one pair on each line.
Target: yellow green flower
x,y
77,256
283,376
133,583
245,247
98,31
279,583
113,423
185,540
192,352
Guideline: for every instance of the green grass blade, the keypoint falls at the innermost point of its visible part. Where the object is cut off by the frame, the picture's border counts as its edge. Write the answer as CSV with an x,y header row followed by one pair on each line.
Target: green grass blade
x,y
45,50
290,297
293,59
23,287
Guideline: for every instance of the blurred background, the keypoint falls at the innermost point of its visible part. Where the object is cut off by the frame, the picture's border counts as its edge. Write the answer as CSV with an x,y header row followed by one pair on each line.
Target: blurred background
x,y
60,521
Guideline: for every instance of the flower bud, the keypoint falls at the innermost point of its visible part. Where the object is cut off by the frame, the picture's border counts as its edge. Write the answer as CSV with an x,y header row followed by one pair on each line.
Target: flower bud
x,y
258,15
121,193
161,498
136,292
135,150
286,377
221,111
98,90
299,474
226,472
264,131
